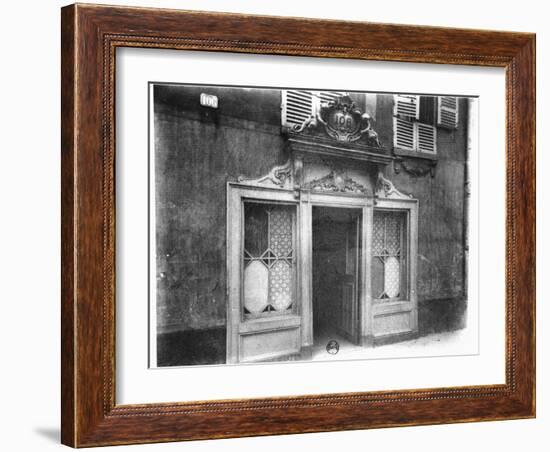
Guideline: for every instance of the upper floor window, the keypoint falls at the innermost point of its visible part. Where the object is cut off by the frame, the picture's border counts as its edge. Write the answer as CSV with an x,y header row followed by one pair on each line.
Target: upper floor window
x,y
447,112
415,119
299,105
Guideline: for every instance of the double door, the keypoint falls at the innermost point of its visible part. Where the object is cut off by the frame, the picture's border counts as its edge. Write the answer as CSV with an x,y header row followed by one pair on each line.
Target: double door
x,y
280,288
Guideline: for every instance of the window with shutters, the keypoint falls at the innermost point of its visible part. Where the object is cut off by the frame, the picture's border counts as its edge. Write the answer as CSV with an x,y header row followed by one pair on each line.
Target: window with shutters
x,y
447,112
414,128
269,259
415,121
299,105
407,106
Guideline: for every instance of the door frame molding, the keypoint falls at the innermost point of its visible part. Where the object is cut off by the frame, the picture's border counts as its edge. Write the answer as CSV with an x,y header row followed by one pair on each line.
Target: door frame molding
x,y
304,201
350,201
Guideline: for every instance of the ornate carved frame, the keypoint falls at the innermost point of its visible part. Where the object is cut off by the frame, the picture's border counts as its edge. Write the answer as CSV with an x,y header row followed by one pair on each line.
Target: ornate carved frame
x,y
90,36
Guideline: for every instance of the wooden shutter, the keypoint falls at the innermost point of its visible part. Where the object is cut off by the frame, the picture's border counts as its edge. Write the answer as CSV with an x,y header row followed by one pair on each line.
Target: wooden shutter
x,y
407,106
297,106
328,96
404,135
426,138
447,112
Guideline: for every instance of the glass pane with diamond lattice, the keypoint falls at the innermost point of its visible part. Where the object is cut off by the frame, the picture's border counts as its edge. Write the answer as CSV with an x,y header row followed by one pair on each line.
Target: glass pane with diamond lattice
x,y
280,285
280,230
378,234
269,258
393,237
388,263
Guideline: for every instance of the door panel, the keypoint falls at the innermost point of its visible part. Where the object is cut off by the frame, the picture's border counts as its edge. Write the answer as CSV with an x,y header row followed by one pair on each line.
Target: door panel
x,y
347,321
348,318
263,323
394,310
270,344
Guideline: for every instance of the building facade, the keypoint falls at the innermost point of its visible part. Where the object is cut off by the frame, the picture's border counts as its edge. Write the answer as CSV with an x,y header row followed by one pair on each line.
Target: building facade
x,y
286,217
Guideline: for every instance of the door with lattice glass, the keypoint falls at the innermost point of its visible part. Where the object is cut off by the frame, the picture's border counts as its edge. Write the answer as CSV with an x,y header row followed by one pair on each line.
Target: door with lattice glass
x,y
393,270
268,259
264,317
272,296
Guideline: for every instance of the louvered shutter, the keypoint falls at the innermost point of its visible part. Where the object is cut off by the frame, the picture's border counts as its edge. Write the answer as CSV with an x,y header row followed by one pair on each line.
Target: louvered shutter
x,y
406,106
426,138
447,112
328,96
297,106
403,137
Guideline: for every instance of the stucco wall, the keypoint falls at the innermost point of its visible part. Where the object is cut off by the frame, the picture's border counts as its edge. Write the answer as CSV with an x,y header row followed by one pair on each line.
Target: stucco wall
x,y
441,210
197,151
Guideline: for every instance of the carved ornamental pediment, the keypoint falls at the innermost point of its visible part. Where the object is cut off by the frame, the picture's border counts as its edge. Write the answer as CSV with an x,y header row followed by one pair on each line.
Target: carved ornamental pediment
x,y
386,189
280,176
337,182
341,121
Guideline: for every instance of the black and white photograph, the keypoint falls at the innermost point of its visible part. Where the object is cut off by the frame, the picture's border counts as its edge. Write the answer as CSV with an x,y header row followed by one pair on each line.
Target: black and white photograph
x,y
307,224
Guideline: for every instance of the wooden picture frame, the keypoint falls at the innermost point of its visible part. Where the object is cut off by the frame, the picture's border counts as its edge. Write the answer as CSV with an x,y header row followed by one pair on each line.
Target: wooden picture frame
x,y
90,37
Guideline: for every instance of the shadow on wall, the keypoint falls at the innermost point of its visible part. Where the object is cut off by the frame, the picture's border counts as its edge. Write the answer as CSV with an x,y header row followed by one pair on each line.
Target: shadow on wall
x,y
189,348
208,346
436,316
52,434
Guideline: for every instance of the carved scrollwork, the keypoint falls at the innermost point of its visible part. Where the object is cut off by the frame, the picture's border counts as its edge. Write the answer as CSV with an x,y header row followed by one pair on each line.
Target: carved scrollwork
x,y
336,181
386,189
415,169
341,120
280,176
309,122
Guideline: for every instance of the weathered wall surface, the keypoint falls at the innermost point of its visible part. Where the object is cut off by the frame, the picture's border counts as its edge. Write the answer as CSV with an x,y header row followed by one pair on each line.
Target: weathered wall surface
x,y
441,209
197,150
441,246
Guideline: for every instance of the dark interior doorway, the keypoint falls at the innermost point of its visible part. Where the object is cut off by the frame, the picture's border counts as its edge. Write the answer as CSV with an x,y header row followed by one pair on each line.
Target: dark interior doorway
x,y
336,256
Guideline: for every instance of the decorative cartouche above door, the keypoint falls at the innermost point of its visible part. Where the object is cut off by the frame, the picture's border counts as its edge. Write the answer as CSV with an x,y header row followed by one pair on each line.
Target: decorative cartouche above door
x,y
337,149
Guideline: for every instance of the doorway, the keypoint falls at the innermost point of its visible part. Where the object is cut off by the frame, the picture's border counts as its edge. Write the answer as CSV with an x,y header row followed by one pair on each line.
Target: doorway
x,y
336,253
